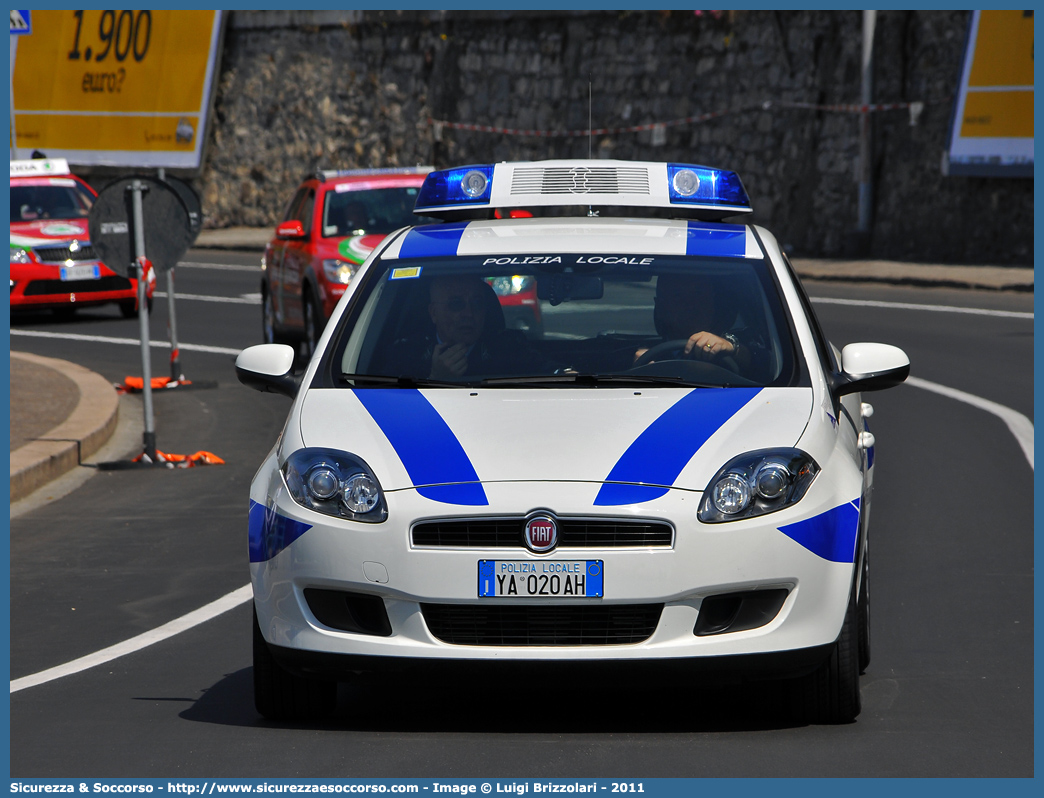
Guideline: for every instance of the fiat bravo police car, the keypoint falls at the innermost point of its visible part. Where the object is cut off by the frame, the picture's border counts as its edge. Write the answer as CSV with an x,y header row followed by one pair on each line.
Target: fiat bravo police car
x,y
675,467
53,264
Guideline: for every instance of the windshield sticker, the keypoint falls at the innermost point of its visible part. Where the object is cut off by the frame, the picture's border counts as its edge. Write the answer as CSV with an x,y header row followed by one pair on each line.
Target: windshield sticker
x,y
340,188
407,273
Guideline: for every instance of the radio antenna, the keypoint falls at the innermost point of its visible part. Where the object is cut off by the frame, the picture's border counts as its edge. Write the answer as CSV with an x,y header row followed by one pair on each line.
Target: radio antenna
x,y
590,135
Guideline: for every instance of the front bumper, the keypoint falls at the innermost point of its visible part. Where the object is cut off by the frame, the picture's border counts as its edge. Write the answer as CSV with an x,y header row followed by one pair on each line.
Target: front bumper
x,y
703,561
41,286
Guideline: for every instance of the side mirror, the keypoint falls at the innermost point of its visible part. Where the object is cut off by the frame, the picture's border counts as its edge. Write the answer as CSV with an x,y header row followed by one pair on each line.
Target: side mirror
x,y
871,367
268,368
291,229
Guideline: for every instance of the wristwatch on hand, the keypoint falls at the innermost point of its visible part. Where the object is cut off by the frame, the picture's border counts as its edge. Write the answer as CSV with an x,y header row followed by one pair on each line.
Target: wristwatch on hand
x,y
732,340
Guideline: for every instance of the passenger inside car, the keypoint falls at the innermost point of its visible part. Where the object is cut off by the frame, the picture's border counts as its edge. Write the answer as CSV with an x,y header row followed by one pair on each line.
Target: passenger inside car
x,y
466,335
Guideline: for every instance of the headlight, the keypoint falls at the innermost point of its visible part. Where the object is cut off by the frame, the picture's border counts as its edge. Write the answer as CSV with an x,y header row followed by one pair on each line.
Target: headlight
x,y
335,483
757,483
340,271
19,255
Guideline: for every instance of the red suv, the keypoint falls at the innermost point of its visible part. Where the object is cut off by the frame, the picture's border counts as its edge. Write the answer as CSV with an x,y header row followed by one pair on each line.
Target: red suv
x,y
332,223
52,262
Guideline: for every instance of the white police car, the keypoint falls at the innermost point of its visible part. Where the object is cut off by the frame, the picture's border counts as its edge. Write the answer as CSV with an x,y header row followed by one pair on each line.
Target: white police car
x,y
675,466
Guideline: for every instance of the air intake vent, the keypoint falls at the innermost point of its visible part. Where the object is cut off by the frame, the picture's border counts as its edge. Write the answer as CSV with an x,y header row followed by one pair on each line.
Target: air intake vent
x,y
580,180
573,533
62,254
542,625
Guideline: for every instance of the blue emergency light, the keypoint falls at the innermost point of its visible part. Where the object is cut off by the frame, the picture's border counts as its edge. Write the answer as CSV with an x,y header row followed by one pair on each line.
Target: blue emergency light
x,y
476,191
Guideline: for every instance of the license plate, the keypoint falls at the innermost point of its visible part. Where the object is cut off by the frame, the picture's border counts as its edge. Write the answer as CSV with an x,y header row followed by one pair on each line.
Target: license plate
x,y
541,578
80,272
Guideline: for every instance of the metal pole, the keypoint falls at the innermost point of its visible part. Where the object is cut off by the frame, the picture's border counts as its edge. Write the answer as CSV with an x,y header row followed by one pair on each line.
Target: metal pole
x,y
172,319
149,436
14,131
865,183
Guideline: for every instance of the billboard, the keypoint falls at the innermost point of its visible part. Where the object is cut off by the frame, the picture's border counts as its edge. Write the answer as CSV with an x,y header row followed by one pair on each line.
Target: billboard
x,y
992,130
115,88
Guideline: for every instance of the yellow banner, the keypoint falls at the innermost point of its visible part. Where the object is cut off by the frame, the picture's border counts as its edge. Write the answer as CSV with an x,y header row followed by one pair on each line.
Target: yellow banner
x,y
101,85
1003,50
998,114
51,132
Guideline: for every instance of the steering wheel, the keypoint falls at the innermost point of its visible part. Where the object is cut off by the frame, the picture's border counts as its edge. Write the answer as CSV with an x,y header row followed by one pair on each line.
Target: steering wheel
x,y
674,349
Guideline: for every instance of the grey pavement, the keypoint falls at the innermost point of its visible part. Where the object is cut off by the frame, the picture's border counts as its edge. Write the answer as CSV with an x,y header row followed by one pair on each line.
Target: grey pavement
x,y
61,413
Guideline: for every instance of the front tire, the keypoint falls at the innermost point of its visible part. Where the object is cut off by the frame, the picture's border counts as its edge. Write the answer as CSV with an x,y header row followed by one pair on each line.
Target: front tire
x,y
281,695
863,612
314,322
830,694
268,323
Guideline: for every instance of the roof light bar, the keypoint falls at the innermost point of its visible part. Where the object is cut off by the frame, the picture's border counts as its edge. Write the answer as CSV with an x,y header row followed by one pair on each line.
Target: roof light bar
x,y
390,170
40,167
687,189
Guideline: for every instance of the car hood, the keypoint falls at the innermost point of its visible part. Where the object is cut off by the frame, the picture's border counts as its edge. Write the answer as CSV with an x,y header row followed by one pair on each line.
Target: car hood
x,y
655,438
47,231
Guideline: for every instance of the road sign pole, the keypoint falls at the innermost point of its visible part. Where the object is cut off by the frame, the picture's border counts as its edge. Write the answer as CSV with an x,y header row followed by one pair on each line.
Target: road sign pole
x,y
172,317
172,329
149,437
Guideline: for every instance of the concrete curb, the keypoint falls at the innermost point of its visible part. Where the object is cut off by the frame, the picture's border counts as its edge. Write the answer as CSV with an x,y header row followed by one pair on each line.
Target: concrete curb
x,y
85,431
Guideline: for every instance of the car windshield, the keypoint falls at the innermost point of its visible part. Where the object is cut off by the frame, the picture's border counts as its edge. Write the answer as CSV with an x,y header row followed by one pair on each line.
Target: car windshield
x,y
566,320
362,211
64,199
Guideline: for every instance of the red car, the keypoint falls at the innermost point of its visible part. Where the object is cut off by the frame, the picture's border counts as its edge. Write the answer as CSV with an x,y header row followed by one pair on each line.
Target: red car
x,y
333,222
52,262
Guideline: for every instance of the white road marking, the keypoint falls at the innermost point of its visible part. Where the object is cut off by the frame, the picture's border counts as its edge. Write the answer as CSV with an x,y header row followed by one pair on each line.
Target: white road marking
x,y
870,303
1020,426
105,339
248,299
144,640
224,267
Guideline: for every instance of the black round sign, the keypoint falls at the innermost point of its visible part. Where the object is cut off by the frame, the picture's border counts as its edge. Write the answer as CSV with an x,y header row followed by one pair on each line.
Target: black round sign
x,y
192,202
165,222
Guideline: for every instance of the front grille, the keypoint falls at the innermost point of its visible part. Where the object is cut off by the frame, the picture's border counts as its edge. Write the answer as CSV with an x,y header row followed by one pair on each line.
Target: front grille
x,y
111,283
542,625
62,254
580,180
572,533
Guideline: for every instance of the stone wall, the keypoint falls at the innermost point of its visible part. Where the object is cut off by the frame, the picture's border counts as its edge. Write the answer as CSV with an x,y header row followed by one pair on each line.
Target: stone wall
x,y
357,89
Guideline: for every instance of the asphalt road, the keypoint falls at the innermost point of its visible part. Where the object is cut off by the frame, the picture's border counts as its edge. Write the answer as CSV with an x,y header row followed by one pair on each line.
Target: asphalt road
x,y
949,691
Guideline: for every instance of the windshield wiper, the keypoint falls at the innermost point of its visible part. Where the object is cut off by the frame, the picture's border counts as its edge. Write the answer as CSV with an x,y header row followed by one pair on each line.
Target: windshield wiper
x,y
401,382
598,379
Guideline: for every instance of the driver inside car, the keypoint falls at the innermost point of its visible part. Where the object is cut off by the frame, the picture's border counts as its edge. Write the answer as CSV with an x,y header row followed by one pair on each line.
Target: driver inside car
x,y
689,312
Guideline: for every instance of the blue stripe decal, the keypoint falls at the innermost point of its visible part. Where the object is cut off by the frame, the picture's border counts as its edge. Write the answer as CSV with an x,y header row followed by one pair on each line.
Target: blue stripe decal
x,y
432,240
270,533
425,444
830,535
716,240
656,458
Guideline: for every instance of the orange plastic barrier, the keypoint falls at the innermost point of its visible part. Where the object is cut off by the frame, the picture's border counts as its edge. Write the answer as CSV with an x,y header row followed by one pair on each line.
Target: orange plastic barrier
x,y
182,460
